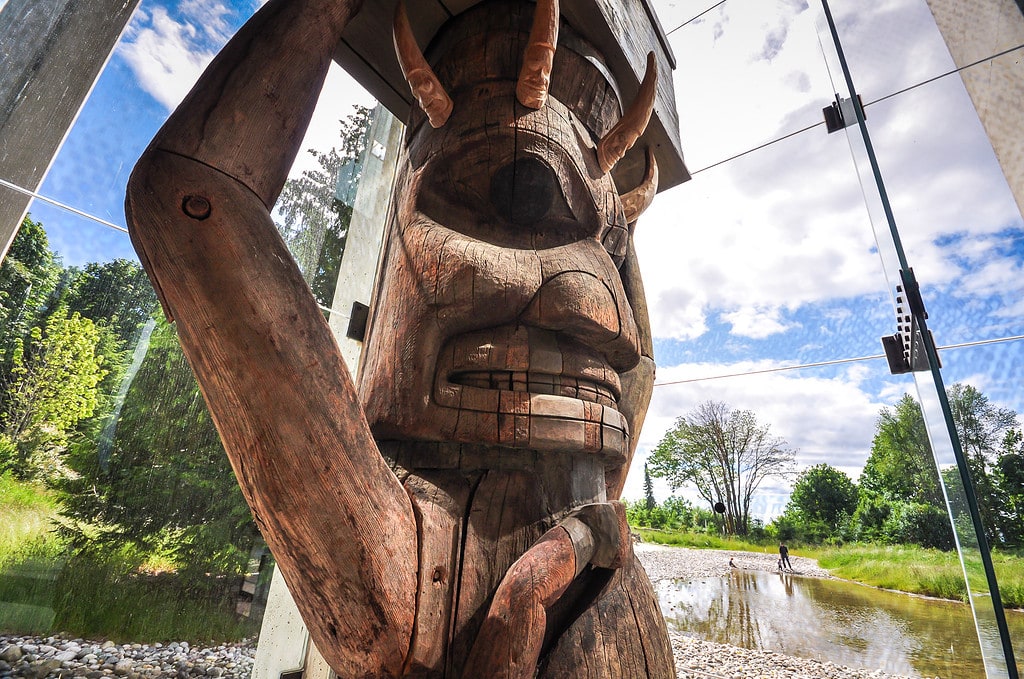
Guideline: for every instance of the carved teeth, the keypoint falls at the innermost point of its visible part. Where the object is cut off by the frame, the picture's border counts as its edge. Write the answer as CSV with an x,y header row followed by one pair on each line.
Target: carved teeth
x,y
537,383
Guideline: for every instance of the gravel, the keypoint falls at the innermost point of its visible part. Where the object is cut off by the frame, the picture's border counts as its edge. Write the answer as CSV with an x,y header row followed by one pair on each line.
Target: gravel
x,y
701,659
66,658
57,656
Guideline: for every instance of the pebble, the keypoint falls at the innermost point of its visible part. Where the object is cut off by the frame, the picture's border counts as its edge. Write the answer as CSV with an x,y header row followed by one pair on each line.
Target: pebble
x,y
58,657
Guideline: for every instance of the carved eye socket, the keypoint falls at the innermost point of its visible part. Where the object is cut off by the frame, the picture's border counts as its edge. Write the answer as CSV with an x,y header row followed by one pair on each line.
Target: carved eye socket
x,y
523,190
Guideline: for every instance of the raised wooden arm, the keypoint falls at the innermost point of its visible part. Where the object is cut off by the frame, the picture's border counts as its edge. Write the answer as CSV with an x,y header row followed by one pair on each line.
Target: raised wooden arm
x,y
335,517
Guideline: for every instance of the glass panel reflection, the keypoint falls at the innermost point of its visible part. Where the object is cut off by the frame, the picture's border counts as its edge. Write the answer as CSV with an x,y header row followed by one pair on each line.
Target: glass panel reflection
x,y
748,73
124,518
945,437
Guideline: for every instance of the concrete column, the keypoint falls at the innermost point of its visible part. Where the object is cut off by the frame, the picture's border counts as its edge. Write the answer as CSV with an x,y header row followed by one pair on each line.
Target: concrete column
x,y
366,230
975,30
53,51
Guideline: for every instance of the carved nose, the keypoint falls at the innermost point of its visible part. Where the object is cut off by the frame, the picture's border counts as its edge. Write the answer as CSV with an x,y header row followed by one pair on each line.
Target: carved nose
x,y
581,305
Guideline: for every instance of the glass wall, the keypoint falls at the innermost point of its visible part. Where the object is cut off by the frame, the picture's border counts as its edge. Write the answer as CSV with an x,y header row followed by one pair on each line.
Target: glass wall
x,y
773,274
125,543
771,277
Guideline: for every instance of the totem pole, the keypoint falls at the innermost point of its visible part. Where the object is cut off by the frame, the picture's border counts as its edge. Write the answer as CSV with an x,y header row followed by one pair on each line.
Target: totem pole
x,y
453,513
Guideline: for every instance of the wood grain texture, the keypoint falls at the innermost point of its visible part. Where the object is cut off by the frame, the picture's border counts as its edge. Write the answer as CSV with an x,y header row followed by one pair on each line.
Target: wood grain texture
x,y
621,634
335,517
452,518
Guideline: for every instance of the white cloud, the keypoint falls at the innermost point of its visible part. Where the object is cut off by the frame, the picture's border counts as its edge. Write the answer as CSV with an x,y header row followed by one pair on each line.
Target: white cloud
x,y
757,323
167,56
211,17
753,241
824,419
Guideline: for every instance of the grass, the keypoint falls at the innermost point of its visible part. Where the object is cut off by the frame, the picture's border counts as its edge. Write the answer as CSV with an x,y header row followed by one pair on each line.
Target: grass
x,y
30,556
906,568
121,594
28,511
113,596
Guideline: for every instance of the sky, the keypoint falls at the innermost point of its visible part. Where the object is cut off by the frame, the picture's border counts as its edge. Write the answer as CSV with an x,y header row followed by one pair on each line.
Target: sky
x,y
768,258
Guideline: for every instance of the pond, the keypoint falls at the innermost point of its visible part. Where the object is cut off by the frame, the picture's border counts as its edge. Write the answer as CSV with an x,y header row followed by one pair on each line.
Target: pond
x,y
842,622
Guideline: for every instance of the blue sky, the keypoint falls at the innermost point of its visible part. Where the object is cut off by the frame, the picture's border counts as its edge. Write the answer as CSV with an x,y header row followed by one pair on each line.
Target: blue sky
x,y
765,261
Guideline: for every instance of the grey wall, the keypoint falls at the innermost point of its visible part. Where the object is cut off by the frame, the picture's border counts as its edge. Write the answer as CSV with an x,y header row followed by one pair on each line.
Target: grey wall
x,y
977,29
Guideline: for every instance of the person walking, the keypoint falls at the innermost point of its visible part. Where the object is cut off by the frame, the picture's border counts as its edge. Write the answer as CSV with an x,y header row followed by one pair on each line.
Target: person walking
x,y
784,556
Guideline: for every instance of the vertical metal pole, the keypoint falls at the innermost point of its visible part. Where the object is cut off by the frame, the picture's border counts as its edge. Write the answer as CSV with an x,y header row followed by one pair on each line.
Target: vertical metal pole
x,y
933,362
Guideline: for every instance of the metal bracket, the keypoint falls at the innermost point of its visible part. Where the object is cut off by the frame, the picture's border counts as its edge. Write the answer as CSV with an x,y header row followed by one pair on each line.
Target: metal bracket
x,y
905,350
357,322
842,113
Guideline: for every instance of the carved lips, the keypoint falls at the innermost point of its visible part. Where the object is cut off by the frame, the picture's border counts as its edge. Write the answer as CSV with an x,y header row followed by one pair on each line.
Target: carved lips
x,y
525,359
545,391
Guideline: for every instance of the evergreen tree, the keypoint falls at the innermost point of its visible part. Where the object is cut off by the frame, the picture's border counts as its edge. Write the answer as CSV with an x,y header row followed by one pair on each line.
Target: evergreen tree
x,y
158,475
28,276
649,489
314,217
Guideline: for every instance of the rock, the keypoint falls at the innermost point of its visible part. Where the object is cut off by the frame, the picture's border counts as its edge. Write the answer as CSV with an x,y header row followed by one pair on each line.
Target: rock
x,y
123,667
11,654
44,667
66,656
107,644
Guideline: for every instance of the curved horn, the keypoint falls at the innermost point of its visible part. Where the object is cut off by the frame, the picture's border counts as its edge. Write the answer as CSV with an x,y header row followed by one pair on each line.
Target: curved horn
x,y
639,199
424,84
613,146
535,75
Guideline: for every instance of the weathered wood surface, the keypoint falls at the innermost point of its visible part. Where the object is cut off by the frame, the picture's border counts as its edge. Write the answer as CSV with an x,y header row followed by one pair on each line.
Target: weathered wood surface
x,y
452,516
266,361
624,32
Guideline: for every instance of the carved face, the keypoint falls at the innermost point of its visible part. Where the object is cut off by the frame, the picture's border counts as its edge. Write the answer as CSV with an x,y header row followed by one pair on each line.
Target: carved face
x,y
501,317
430,96
536,74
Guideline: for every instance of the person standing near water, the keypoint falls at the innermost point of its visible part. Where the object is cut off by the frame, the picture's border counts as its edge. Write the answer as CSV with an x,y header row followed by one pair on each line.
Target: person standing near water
x,y
784,556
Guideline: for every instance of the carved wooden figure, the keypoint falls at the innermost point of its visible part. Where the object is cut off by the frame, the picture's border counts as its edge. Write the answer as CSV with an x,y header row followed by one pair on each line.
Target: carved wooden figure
x,y
454,514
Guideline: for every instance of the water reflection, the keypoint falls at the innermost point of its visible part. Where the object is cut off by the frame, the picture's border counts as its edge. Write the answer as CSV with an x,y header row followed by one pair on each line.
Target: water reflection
x,y
841,622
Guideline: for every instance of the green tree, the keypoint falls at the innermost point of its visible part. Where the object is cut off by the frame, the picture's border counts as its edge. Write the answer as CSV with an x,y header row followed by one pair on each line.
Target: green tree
x,y
725,454
159,475
54,386
900,480
649,489
27,278
115,293
901,466
1009,481
314,217
982,427
822,501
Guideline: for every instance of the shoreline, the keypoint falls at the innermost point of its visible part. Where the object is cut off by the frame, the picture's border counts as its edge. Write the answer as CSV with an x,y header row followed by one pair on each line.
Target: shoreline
x,y
699,659
57,655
